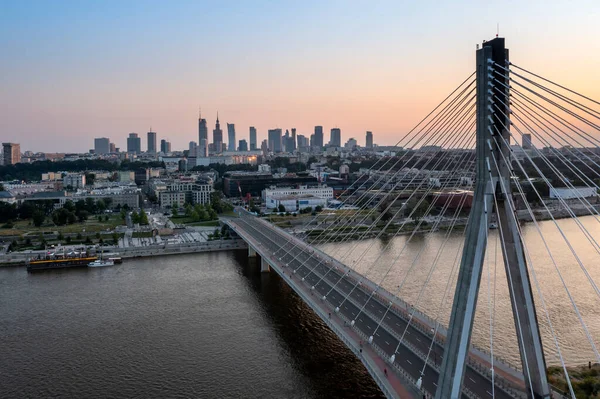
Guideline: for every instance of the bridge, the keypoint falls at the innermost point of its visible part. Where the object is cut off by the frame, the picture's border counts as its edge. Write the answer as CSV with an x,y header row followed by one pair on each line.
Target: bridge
x,y
468,144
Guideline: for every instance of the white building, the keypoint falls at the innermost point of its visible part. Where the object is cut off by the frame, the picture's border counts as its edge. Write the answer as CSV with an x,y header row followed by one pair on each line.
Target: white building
x,y
319,191
264,168
75,180
177,192
571,193
172,199
125,176
293,203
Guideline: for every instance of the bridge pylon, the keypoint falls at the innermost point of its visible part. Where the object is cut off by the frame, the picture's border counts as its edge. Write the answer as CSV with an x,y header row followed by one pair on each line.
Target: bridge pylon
x,y
492,196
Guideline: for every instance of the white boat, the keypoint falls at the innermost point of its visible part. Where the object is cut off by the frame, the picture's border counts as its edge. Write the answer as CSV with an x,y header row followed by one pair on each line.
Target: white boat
x,y
101,263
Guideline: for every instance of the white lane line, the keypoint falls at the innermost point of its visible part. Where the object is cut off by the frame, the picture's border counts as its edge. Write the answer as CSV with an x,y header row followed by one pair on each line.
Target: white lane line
x,y
387,342
435,384
408,361
417,339
489,393
472,380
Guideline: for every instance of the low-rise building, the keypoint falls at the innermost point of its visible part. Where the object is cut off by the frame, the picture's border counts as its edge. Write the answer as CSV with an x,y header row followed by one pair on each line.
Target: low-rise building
x,y
294,203
320,191
74,180
573,193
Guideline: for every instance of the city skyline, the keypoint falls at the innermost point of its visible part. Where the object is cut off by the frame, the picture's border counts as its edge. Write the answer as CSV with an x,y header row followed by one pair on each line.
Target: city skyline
x,y
378,70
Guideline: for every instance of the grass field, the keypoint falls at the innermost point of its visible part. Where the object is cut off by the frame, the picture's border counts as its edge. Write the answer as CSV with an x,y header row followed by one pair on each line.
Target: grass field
x,y
22,227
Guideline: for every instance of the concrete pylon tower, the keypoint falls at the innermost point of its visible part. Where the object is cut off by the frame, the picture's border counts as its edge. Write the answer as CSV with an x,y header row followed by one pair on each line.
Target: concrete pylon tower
x,y
492,187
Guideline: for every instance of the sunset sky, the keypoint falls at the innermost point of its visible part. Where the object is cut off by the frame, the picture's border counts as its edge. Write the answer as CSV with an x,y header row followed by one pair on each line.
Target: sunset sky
x,y
74,70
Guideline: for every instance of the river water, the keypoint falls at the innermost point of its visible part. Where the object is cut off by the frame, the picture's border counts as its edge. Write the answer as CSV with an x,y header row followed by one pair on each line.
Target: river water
x,y
212,326
409,269
187,326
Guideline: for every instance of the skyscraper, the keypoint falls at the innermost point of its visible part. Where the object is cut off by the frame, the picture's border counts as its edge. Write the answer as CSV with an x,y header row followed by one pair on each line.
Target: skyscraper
x,y
101,145
151,142
218,137
253,138
318,137
12,153
243,146
303,142
274,140
294,142
113,148
165,146
134,143
193,149
526,142
369,140
335,139
231,137
202,136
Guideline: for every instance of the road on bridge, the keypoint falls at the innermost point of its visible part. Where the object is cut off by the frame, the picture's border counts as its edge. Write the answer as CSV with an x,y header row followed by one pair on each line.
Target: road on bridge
x,y
343,291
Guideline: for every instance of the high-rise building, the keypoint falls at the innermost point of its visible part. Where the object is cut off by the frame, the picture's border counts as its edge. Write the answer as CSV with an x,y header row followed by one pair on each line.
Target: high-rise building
x,y
193,149
253,138
231,137
350,144
243,145
335,139
369,140
264,148
151,142
274,137
202,136
101,145
318,138
218,137
526,143
294,142
303,141
12,153
134,143
113,148
165,146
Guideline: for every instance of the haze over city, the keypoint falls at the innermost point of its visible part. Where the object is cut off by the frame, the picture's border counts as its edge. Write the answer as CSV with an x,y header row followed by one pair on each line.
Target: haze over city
x,y
73,71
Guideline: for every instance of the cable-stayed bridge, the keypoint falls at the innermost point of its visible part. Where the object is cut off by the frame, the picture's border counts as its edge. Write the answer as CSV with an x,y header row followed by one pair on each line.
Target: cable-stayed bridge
x,y
471,159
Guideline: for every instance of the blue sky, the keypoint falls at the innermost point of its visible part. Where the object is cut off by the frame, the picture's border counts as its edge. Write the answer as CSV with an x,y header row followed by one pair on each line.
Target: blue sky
x,y
75,70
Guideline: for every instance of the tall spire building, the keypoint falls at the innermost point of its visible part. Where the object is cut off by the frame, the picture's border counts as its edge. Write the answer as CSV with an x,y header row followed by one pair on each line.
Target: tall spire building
x,y
218,137
202,136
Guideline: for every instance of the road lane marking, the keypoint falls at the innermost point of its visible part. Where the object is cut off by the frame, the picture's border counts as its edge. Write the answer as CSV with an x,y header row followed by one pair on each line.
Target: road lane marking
x,y
408,361
472,380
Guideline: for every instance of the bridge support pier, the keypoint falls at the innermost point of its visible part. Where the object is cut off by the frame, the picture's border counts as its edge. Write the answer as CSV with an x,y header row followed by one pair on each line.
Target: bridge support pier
x,y
251,252
264,266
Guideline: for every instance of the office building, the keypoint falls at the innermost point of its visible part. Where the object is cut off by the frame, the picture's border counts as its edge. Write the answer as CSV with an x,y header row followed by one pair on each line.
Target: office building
x,y
335,139
317,138
231,137
151,142
218,137
202,136
11,153
274,137
134,144
351,144
165,146
369,140
74,181
243,145
303,141
526,143
113,148
193,149
294,143
101,145
252,138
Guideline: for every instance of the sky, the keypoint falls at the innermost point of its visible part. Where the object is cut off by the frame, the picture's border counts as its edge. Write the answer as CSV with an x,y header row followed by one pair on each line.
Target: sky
x,y
74,70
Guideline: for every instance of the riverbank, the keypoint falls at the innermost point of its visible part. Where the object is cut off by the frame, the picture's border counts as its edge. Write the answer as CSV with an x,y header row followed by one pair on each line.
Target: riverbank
x,y
17,259
585,380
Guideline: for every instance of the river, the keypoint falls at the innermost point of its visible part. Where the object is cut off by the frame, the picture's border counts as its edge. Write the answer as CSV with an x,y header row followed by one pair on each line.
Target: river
x,y
404,272
187,326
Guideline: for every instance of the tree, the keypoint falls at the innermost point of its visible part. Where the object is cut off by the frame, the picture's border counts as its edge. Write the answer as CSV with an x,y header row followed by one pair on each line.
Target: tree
x,y
61,216
60,236
115,238
203,215
79,236
82,215
417,209
89,179
281,208
38,218
213,215
175,212
68,239
143,218
69,206
318,208
135,217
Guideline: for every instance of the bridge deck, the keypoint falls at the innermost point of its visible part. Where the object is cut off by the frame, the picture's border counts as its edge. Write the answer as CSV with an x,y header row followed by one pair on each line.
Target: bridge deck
x,y
303,267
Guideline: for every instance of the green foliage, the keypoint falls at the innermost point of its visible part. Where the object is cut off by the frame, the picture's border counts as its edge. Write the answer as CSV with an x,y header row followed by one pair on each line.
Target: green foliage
x,y
38,217
143,218
281,208
61,217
